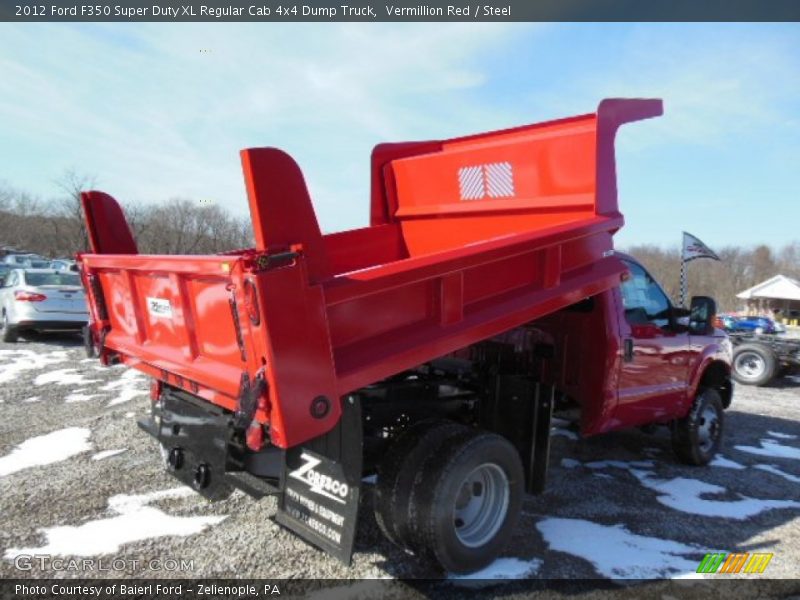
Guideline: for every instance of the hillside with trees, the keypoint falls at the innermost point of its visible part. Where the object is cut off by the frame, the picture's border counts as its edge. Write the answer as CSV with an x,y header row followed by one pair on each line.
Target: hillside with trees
x,y
182,226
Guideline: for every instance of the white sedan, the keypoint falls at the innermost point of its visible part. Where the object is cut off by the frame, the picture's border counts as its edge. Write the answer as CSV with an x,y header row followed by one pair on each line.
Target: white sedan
x,y
41,300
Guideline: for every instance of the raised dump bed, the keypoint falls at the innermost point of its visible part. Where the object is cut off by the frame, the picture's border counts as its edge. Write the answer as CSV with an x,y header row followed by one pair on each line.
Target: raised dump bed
x,y
468,238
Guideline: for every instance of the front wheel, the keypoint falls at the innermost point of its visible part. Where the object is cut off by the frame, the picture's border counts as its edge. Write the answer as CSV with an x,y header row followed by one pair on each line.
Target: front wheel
x,y
754,364
696,438
467,501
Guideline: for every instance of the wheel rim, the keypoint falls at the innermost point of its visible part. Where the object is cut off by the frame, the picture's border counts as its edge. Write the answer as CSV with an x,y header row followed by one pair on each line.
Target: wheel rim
x,y
481,505
707,428
749,365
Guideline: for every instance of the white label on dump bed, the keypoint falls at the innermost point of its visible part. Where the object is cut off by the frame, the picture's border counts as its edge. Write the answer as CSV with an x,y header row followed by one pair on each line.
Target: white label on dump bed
x,y
492,180
159,307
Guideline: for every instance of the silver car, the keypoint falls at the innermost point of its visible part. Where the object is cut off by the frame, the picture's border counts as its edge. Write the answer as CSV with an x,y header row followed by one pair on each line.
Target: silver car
x,y
41,300
20,260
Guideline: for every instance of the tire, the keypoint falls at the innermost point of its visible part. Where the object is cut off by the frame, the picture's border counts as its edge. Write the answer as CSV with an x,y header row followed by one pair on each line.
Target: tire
x,y
754,364
467,501
88,342
10,333
696,438
396,472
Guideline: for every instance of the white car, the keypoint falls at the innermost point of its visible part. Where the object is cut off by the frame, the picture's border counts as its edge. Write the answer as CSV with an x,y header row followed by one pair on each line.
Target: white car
x,y
20,260
41,300
64,264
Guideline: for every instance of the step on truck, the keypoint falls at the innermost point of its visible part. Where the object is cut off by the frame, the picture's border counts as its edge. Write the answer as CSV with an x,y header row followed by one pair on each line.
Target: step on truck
x,y
429,349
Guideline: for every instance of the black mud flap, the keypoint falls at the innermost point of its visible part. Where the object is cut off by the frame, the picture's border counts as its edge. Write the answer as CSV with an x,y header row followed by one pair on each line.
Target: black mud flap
x,y
321,483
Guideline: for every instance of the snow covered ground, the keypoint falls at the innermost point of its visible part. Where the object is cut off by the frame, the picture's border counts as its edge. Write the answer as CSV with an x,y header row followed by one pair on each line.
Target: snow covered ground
x,y
78,479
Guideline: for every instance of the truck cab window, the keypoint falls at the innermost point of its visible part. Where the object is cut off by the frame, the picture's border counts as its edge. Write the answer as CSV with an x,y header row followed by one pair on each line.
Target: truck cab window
x,y
643,299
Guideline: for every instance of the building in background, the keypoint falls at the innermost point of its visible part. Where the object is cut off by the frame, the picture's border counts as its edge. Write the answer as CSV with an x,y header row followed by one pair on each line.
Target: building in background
x,y
777,297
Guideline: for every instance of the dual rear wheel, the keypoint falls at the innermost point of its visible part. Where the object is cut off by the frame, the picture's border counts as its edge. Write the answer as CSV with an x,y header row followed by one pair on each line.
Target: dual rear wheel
x,y
450,493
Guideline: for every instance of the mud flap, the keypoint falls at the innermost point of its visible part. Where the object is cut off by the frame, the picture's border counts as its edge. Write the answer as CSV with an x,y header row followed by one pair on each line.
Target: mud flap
x,y
321,484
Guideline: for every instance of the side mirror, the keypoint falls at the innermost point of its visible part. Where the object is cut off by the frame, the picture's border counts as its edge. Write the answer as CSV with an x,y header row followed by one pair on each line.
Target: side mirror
x,y
702,311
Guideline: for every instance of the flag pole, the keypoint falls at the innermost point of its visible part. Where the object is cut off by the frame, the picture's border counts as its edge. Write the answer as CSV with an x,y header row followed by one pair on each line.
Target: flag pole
x,y
683,281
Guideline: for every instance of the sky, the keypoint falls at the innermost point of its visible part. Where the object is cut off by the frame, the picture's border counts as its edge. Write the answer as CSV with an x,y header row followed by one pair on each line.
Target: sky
x,y
159,111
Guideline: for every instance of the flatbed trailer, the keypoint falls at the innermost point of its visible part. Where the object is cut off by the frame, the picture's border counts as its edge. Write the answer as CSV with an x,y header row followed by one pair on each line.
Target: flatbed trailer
x,y
289,368
760,358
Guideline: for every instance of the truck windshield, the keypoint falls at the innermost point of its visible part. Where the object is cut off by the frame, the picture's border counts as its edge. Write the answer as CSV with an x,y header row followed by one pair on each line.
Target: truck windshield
x,y
36,279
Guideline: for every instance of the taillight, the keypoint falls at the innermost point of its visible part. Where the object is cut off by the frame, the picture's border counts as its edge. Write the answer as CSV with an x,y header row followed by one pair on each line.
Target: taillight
x,y
254,437
21,296
251,302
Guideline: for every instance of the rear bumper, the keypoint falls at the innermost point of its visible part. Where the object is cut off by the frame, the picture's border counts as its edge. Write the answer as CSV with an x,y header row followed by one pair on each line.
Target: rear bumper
x,y
51,325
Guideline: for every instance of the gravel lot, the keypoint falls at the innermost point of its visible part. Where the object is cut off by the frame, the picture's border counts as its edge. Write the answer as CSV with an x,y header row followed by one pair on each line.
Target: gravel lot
x,y
616,506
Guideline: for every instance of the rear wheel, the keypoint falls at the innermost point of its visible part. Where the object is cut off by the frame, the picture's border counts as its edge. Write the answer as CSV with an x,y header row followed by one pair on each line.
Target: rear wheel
x,y
9,331
403,461
467,501
88,342
696,437
754,364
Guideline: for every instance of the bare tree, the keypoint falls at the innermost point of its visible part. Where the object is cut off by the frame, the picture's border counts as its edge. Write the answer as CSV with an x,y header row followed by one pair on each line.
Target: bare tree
x,y
71,184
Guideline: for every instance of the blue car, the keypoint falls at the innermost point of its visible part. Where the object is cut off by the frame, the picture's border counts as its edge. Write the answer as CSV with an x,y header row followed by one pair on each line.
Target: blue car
x,y
757,325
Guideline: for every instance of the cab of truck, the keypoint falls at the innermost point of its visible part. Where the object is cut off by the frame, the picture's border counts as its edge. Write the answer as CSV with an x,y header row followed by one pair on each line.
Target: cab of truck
x,y
628,357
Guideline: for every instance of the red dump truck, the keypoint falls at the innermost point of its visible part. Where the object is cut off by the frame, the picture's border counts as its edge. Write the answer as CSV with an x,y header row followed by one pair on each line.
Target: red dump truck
x,y
429,348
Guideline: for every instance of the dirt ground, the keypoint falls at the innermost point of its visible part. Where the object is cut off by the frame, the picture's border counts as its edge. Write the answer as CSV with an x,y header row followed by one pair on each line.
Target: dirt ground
x,y
79,480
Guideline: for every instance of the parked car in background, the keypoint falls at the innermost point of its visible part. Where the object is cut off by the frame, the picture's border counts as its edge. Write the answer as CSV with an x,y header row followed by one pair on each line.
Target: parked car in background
x,y
757,325
19,260
37,264
726,322
64,264
41,300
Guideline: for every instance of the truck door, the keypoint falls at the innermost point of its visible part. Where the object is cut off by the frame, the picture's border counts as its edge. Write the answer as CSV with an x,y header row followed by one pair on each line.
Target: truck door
x,y
655,352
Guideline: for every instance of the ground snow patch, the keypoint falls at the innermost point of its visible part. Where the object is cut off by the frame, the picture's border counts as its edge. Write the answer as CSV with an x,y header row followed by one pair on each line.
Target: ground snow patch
x,y
564,433
27,360
33,399
571,463
721,461
782,436
46,449
135,520
777,471
619,464
127,387
686,495
502,568
772,448
63,377
617,553
108,453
